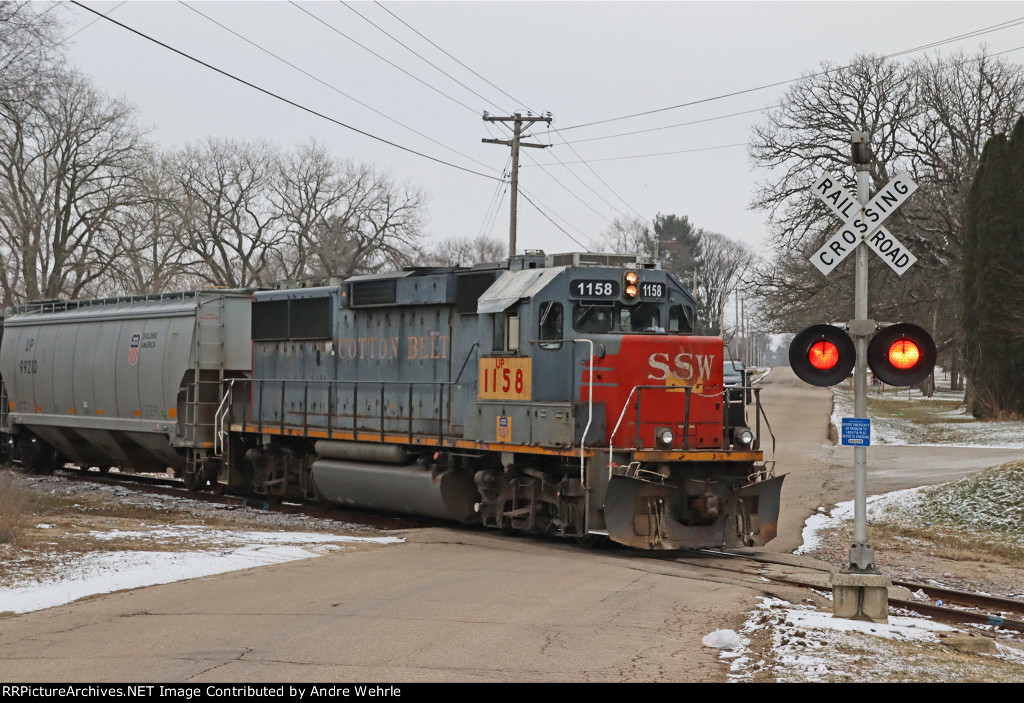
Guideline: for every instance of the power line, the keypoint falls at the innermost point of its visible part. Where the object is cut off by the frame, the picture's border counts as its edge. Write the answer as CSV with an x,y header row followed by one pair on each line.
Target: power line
x,y
978,32
496,199
708,119
390,63
518,102
598,177
82,29
279,97
414,53
334,88
548,218
552,176
663,153
671,126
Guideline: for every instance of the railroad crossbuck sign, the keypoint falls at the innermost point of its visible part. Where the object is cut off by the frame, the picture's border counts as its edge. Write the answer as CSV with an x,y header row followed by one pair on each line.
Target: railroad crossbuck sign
x,y
863,225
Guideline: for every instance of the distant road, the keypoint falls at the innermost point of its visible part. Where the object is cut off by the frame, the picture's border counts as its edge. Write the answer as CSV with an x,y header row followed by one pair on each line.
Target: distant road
x,y
820,473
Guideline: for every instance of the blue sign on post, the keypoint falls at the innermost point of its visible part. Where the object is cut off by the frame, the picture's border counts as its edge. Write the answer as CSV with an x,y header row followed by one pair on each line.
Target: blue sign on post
x,y
857,431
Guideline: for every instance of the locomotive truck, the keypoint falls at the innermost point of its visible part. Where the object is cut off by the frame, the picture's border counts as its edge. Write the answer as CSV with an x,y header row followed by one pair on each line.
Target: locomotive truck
x,y
563,395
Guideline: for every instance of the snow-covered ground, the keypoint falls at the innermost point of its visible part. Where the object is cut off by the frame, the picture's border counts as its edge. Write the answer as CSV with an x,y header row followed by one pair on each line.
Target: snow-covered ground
x,y
93,573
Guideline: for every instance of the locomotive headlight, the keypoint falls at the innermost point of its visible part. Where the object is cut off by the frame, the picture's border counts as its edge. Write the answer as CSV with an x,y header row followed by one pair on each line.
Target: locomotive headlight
x,y
631,279
742,436
664,436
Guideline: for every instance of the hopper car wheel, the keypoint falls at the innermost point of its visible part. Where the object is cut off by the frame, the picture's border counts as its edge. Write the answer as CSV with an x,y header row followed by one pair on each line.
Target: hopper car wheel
x,y
195,481
103,469
44,459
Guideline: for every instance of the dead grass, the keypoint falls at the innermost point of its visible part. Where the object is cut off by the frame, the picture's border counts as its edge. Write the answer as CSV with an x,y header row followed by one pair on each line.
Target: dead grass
x,y
16,508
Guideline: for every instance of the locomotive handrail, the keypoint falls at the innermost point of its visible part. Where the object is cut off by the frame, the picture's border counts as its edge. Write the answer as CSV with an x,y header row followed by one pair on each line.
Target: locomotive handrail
x,y
625,407
219,419
331,383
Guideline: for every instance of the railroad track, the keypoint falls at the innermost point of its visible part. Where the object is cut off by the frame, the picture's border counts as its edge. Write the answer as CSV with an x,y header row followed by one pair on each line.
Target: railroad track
x,y
945,604
172,487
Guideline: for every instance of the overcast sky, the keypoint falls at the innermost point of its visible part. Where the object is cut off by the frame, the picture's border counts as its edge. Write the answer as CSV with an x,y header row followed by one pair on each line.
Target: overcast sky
x,y
582,61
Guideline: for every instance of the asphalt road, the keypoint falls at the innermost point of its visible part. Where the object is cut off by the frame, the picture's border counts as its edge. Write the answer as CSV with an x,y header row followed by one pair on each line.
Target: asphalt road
x,y
462,606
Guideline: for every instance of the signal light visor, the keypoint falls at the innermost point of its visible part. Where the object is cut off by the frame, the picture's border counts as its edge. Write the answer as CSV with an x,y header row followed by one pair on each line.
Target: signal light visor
x,y
822,355
902,354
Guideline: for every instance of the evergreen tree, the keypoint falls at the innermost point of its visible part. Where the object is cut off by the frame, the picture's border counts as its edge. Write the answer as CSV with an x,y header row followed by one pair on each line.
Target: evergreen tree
x,y
993,279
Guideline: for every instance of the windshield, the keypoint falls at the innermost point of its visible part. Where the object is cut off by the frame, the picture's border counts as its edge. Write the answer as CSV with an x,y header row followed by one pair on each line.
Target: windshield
x,y
616,317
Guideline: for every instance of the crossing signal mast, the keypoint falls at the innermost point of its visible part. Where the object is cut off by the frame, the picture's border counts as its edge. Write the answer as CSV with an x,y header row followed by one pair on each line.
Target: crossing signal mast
x,y
899,355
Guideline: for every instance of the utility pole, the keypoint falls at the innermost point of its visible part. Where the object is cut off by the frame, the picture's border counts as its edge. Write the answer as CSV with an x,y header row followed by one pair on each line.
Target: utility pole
x,y
517,121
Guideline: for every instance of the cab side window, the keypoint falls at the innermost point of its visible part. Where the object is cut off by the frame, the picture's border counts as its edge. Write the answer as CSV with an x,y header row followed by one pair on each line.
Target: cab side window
x,y
679,320
550,324
506,332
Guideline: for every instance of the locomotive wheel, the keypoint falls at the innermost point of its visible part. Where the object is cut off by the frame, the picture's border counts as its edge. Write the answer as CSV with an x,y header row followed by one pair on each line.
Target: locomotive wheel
x,y
591,541
103,469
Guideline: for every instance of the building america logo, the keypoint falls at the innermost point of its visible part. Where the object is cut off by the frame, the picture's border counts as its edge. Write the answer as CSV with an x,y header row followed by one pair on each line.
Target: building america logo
x,y
133,350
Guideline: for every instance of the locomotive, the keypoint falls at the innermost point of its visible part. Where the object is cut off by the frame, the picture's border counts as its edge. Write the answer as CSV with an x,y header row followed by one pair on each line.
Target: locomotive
x,y
560,394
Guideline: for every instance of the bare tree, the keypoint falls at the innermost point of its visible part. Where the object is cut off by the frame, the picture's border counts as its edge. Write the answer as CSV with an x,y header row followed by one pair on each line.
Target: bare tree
x,y
156,258
28,48
628,236
227,210
931,118
464,251
377,226
69,160
722,264
308,189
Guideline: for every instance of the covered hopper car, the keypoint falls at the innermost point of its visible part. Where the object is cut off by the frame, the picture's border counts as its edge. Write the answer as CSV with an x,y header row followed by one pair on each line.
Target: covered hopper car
x,y
563,395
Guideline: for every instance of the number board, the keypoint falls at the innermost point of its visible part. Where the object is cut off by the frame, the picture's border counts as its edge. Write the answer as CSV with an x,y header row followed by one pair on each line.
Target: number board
x,y
505,378
581,288
652,290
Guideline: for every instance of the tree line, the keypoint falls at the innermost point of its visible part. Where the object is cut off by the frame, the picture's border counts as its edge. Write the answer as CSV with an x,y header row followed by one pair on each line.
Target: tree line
x,y
89,207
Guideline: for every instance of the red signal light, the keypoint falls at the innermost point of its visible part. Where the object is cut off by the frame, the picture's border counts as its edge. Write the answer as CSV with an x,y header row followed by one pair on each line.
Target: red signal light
x,y
901,355
904,354
823,355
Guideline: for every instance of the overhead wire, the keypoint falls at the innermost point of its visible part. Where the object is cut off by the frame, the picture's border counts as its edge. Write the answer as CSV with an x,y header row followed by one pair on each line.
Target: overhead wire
x,y
552,176
539,209
416,54
385,60
418,33
281,98
334,88
539,206
664,153
967,35
526,153
495,202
